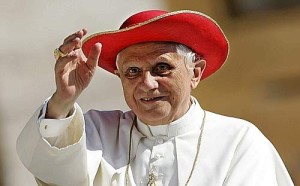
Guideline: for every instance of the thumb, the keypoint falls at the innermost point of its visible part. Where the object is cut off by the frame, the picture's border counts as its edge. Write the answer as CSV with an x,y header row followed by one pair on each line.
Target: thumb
x,y
92,60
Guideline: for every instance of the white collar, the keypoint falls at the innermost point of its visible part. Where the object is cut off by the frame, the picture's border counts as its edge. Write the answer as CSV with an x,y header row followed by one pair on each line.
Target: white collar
x,y
188,122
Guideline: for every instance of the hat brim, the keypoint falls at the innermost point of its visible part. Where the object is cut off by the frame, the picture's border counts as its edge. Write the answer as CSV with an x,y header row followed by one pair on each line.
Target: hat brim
x,y
193,29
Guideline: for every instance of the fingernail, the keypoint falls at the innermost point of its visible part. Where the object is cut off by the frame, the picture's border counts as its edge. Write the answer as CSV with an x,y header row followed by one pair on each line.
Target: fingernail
x,y
79,32
72,53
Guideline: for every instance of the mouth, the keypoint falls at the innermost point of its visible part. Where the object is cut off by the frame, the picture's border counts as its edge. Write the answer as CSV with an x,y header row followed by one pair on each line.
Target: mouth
x,y
151,99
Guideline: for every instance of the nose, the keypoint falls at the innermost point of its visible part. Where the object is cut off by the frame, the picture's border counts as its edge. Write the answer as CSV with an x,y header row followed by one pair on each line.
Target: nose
x,y
148,82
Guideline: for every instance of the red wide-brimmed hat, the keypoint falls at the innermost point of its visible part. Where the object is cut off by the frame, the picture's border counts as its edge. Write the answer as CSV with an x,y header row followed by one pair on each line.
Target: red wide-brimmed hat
x,y
194,29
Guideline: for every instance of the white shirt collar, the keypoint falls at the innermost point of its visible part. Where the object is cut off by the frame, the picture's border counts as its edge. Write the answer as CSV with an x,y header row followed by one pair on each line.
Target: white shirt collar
x,y
182,125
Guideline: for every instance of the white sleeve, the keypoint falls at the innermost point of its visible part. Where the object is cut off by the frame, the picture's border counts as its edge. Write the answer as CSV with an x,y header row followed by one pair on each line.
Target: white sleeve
x,y
54,127
54,151
257,154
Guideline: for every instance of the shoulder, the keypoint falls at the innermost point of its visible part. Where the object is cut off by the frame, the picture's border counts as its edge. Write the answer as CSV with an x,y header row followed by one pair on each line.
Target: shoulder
x,y
230,123
236,130
226,120
238,139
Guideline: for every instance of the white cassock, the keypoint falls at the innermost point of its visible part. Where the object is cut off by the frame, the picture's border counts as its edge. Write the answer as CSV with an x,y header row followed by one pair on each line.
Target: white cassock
x,y
93,149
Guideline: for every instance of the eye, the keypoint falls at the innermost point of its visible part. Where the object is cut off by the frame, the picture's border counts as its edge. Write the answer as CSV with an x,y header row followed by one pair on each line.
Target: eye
x,y
132,72
162,69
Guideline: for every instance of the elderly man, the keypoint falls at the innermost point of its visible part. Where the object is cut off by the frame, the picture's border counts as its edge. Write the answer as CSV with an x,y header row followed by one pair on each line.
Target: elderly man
x,y
166,138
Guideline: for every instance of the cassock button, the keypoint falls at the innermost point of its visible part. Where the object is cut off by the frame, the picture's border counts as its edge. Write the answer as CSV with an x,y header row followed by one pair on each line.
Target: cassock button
x,y
160,141
158,156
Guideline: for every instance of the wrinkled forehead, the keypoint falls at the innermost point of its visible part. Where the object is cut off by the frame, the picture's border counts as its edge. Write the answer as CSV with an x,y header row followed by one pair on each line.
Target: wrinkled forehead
x,y
146,49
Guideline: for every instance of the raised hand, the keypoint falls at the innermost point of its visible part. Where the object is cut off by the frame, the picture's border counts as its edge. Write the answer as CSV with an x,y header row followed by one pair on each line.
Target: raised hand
x,y
73,73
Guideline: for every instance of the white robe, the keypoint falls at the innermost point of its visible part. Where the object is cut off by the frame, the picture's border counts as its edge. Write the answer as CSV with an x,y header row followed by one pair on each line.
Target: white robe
x,y
93,149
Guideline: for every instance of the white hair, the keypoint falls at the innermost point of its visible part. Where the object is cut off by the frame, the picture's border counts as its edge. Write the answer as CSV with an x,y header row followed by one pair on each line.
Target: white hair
x,y
186,52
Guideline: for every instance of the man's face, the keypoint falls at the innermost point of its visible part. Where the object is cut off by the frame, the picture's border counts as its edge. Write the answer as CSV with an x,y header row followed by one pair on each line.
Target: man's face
x,y
156,82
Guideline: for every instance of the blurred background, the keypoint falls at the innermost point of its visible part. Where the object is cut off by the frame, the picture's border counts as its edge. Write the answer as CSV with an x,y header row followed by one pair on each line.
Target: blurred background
x,y
260,81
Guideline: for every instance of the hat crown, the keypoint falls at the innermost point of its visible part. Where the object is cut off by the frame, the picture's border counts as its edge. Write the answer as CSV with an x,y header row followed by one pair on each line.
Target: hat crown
x,y
141,17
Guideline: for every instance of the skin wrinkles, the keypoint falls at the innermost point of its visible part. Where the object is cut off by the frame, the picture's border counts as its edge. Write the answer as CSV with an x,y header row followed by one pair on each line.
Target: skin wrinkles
x,y
156,99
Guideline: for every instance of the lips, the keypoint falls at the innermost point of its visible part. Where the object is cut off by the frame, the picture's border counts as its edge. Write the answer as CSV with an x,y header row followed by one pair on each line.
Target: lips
x,y
151,99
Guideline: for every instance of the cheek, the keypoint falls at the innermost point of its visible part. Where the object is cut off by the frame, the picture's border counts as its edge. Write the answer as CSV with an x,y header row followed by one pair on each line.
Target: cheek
x,y
128,91
181,91
176,86
182,83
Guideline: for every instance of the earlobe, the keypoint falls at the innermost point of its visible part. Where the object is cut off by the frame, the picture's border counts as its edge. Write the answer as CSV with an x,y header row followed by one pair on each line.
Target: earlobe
x,y
199,67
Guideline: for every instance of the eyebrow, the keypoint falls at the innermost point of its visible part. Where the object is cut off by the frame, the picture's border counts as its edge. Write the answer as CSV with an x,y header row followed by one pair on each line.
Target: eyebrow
x,y
166,57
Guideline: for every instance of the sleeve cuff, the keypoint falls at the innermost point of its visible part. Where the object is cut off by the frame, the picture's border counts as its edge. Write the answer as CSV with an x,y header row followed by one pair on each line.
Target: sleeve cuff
x,y
54,127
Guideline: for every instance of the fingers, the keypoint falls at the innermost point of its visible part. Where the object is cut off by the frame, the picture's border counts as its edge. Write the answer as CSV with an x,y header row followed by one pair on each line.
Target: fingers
x,y
73,42
92,60
78,34
70,45
62,61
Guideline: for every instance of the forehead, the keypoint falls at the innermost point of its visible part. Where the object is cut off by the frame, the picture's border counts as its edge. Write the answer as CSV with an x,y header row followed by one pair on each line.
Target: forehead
x,y
149,49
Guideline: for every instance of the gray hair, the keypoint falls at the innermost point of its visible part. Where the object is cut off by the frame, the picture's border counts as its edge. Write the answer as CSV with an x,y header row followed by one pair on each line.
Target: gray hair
x,y
186,51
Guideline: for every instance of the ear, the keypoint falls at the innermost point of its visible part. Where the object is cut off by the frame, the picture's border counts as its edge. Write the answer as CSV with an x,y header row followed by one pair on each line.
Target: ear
x,y
117,73
199,67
